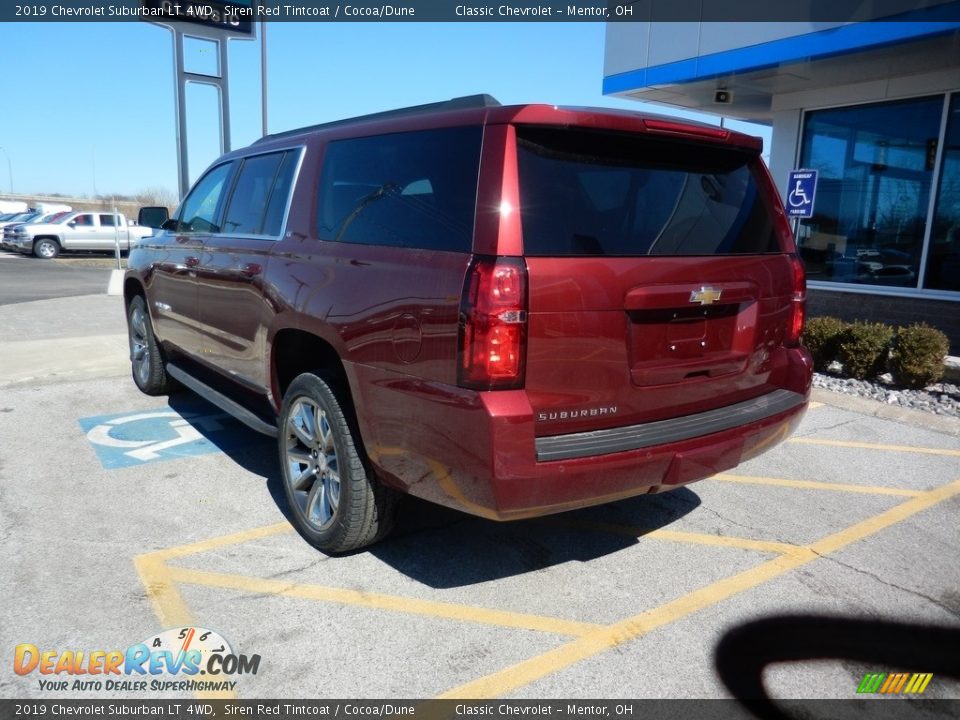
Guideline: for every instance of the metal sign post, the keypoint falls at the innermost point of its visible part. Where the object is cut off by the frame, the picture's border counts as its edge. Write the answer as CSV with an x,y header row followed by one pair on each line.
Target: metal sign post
x,y
115,284
221,82
218,29
116,235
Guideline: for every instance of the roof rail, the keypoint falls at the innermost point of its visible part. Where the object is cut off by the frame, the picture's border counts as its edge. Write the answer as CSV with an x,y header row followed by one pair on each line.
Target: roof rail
x,y
461,103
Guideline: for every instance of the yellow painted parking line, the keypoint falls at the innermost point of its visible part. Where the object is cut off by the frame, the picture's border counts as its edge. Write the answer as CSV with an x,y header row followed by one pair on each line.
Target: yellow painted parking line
x,y
813,405
678,536
166,599
814,485
875,446
395,603
894,515
168,603
221,541
535,668
169,606
766,546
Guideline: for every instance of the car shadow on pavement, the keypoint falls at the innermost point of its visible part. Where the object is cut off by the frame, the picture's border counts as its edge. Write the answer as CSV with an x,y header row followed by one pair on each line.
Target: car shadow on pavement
x,y
443,548
253,451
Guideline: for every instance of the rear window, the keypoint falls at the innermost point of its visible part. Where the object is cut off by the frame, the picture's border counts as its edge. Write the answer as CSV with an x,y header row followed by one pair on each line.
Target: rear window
x,y
414,189
595,193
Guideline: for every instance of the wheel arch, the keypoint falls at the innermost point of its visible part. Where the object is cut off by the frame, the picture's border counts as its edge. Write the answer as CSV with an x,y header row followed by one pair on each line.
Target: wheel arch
x,y
131,288
46,236
294,351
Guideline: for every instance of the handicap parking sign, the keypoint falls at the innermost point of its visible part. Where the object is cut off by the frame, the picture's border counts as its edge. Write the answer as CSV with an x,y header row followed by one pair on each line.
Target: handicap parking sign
x,y
801,189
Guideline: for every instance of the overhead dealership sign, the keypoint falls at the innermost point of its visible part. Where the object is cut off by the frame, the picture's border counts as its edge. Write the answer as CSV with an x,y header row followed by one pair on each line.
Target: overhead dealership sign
x,y
233,17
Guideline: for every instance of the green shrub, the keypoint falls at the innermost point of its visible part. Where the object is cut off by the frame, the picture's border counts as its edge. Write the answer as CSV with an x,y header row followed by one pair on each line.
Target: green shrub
x,y
821,335
863,349
917,357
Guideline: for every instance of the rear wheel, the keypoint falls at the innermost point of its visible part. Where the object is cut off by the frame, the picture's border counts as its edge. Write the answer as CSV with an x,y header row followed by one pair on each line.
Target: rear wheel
x,y
146,358
337,503
46,248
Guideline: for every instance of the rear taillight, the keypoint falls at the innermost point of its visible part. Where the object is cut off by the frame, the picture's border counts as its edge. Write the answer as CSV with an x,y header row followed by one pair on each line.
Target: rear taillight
x,y
798,302
493,324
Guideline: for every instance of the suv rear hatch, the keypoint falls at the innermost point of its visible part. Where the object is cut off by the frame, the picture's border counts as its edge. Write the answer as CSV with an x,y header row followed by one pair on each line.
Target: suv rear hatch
x,y
660,275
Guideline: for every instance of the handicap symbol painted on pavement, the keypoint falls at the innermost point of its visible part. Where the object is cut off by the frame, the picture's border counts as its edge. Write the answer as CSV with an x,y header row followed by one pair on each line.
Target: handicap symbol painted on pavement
x,y
135,438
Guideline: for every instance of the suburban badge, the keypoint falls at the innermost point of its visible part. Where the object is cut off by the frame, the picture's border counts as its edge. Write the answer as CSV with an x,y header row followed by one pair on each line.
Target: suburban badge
x,y
573,414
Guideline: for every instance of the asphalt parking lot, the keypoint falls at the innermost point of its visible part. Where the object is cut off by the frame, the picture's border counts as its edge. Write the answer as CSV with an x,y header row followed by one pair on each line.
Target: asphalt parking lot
x,y
24,278
123,515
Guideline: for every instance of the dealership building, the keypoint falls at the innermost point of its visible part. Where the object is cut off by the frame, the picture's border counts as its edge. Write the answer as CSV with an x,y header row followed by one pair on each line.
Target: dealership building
x,y
873,107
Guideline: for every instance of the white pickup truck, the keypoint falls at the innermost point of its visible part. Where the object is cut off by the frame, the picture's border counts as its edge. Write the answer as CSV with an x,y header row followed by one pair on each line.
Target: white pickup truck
x,y
82,230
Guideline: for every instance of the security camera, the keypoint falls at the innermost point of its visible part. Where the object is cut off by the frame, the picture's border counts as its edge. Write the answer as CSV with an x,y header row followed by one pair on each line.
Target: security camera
x,y
723,96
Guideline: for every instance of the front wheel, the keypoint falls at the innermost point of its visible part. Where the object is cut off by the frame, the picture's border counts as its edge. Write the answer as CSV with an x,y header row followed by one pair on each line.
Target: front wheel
x,y
146,359
337,503
46,248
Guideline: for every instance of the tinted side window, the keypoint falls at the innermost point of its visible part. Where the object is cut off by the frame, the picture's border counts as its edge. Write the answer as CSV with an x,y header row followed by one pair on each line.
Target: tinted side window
x,y
199,211
249,200
280,195
83,221
107,220
413,189
595,193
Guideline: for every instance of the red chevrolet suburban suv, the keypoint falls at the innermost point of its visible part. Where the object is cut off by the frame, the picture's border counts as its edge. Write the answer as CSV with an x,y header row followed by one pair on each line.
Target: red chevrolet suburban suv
x,y
511,311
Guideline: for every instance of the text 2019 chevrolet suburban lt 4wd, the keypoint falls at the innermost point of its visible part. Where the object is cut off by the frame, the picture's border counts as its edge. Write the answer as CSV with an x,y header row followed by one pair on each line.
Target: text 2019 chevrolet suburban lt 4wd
x,y
512,311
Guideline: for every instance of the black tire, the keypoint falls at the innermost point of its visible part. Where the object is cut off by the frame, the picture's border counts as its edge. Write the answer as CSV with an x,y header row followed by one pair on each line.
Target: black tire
x,y
46,248
336,501
146,357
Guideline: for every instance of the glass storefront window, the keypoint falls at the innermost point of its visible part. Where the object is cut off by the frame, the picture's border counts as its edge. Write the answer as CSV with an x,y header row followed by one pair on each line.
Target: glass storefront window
x,y
876,170
943,260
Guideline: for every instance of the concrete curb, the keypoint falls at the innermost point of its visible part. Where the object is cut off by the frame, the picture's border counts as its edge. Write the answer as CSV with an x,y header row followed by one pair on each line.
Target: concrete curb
x,y
40,362
873,408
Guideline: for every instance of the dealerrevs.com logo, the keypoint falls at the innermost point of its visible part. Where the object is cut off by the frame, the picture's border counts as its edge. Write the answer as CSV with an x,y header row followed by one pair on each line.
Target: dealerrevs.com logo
x,y
895,683
174,660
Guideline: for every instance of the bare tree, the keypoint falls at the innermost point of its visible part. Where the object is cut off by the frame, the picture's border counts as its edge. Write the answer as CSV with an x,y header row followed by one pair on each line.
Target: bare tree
x,y
156,196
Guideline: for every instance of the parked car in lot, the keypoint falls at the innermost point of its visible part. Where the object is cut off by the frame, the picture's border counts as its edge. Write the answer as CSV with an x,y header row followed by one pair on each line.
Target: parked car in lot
x,y
85,230
20,217
10,231
512,311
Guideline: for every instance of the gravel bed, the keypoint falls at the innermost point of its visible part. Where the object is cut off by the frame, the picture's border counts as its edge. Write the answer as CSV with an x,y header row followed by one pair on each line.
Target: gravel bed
x,y
941,398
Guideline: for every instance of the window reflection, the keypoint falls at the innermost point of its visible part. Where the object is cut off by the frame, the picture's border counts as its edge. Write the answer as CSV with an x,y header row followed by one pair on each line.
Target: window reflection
x,y
943,262
873,194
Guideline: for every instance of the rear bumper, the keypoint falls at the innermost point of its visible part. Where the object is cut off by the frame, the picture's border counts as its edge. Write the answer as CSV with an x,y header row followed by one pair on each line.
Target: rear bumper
x,y
478,452
636,437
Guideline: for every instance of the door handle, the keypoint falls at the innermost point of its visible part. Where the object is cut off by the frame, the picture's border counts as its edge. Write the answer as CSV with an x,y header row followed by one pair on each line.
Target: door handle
x,y
250,270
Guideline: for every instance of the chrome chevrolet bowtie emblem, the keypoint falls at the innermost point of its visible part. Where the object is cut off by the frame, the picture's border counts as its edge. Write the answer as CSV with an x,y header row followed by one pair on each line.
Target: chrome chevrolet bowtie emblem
x,y
705,295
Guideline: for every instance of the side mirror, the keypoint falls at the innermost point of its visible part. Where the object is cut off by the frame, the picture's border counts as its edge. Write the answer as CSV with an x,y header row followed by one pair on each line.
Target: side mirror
x,y
170,224
153,216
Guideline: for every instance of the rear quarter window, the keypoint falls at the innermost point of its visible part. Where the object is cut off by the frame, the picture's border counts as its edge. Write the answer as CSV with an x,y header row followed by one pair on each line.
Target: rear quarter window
x,y
598,193
415,190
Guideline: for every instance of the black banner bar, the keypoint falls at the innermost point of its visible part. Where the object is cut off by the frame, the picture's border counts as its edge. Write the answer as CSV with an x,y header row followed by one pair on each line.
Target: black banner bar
x,y
239,14
186,709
